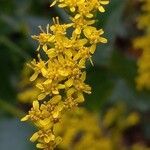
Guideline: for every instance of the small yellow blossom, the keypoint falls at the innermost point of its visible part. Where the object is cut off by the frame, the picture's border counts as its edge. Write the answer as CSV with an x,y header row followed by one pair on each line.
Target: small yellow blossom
x,y
93,35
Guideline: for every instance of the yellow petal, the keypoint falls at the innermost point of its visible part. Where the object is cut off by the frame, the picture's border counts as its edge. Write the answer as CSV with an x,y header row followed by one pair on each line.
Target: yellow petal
x,y
89,15
83,76
101,9
91,61
77,16
77,56
68,53
34,137
44,71
88,30
34,76
61,59
80,98
44,47
49,81
63,73
62,5
58,140
70,91
40,86
72,9
41,146
82,63
93,48
35,104
47,139
78,30
56,114
104,2
83,41
25,118
103,40
69,83
61,86
55,92
41,96
55,99
53,3
51,53
45,124
51,38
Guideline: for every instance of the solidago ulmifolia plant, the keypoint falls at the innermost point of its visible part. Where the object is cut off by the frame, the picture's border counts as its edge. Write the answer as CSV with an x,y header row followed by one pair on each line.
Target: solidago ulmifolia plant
x,y
60,72
143,43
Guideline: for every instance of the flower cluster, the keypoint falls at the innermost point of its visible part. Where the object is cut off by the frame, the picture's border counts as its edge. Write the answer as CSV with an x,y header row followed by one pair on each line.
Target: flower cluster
x,y
143,43
78,135
103,133
60,67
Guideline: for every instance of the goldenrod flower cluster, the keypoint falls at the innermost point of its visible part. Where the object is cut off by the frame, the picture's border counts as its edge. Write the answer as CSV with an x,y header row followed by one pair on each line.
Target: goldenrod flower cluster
x,y
60,71
80,130
84,130
143,43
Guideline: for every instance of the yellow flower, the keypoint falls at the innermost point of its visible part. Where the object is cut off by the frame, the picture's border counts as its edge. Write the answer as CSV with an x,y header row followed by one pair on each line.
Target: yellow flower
x,y
79,23
59,29
93,35
38,67
44,37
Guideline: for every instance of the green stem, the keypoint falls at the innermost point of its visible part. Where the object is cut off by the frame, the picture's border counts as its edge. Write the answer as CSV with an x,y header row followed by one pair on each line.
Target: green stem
x,y
11,109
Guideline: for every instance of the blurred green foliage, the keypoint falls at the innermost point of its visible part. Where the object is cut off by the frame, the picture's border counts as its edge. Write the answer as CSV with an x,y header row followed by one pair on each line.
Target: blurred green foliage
x,y
112,77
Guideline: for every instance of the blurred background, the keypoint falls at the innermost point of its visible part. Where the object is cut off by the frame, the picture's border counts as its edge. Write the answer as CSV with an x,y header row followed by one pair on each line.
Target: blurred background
x,y
113,77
